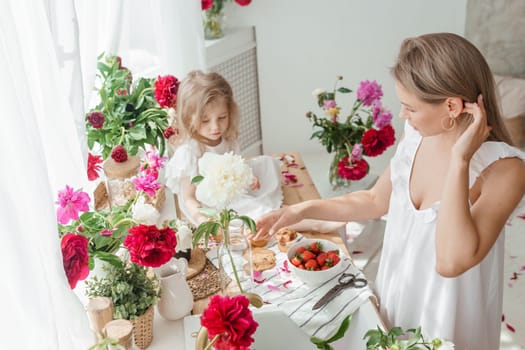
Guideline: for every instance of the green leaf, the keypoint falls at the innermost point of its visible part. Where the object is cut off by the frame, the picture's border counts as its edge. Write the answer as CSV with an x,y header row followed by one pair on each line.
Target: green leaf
x,y
248,221
344,90
342,329
110,258
197,179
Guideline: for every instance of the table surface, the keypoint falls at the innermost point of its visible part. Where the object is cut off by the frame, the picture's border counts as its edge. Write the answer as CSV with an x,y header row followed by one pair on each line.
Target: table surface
x,y
170,334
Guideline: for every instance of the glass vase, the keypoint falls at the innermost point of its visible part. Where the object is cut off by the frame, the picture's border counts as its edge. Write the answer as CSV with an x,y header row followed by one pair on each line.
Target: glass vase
x,y
336,181
213,22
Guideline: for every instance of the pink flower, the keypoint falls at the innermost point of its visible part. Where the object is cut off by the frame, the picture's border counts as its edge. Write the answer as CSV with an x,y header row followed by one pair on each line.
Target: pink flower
x,y
147,183
380,116
357,152
166,88
119,154
231,319
327,104
70,204
93,166
75,257
369,92
106,232
96,119
352,171
153,162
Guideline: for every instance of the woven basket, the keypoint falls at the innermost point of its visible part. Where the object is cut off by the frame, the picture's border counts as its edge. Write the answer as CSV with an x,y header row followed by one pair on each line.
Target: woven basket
x,y
143,329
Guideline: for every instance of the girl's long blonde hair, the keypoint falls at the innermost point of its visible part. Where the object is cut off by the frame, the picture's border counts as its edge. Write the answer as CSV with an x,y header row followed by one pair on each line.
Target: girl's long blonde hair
x,y
441,65
196,91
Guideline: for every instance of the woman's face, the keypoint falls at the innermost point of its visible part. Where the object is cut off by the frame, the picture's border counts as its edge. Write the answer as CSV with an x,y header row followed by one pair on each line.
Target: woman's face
x,y
214,123
426,118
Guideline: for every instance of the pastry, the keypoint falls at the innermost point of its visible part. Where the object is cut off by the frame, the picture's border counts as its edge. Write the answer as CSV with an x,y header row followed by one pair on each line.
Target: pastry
x,y
283,237
262,258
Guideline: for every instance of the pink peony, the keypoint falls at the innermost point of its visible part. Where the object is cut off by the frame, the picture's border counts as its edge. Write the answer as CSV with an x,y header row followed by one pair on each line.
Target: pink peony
x,y
93,166
119,154
147,183
166,88
355,171
230,318
71,203
75,257
380,116
369,92
357,152
96,119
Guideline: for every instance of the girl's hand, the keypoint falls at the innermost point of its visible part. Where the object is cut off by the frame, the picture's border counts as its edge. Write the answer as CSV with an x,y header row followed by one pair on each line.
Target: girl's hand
x,y
475,133
255,184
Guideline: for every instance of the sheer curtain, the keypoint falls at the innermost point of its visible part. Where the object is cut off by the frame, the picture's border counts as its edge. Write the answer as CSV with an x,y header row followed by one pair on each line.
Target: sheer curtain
x,y
44,85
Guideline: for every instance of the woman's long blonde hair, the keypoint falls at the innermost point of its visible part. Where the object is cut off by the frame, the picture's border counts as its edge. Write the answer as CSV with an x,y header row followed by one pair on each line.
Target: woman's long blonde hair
x,y
196,91
441,65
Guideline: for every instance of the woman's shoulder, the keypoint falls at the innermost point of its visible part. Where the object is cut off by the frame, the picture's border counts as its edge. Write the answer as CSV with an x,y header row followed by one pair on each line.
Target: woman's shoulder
x,y
498,160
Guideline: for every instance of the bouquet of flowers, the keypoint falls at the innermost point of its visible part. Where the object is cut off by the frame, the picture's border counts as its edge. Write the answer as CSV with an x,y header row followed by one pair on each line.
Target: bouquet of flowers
x,y
365,131
213,16
130,113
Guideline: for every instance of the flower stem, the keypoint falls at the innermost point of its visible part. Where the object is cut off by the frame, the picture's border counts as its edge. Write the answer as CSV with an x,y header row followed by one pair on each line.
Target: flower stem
x,y
210,344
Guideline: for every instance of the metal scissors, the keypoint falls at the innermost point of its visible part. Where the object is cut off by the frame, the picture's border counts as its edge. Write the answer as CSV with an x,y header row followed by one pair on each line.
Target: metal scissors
x,y
346,280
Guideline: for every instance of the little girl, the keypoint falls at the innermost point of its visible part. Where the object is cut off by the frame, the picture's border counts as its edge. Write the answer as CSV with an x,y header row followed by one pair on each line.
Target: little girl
x,y
207,120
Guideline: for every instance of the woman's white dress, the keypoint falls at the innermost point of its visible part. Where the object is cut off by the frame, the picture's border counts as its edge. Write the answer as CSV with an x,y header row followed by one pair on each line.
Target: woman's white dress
x,y
465,309
184,163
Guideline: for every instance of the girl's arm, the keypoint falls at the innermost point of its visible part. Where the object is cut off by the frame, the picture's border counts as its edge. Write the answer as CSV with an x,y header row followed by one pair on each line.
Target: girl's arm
x,y
190,201
354,206
464,233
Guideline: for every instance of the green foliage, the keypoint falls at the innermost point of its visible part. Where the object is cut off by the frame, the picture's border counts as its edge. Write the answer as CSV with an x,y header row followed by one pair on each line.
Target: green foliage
x,y
397,339
105,343
132,288
325,344
133,117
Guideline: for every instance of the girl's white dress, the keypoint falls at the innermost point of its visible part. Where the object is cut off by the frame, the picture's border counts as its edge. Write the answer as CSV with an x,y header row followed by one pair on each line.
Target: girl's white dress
x,y
465,309
184,163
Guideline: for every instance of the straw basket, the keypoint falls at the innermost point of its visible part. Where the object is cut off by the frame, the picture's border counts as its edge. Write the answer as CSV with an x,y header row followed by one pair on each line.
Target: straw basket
x,y
143,329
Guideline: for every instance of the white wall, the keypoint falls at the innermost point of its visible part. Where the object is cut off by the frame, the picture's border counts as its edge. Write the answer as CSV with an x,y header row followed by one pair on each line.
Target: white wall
x,y
304,44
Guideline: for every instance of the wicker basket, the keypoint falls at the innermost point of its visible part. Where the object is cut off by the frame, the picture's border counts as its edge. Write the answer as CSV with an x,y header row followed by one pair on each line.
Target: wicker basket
x,y
143,329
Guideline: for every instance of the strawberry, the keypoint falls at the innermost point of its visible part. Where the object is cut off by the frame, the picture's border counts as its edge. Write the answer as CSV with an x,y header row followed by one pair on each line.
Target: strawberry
x,y
300,250
311,264
295,261
321,259
308,255
315,247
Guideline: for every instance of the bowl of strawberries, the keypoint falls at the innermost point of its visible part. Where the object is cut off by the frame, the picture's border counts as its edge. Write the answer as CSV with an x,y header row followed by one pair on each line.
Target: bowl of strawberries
x,y
315,260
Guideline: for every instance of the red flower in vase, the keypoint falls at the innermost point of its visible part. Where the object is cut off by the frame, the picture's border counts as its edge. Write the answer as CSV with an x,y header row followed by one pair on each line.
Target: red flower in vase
x,y
355,171
93,166
206,4
75,258
119,154
243,2
150,246
232,320
166,88
375,142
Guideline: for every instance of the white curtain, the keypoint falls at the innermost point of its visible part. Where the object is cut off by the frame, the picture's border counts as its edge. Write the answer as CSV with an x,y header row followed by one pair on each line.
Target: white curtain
x,y
46,76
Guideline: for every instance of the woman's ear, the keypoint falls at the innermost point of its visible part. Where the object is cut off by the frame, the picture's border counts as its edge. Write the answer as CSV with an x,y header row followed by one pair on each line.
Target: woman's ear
x,y
454,106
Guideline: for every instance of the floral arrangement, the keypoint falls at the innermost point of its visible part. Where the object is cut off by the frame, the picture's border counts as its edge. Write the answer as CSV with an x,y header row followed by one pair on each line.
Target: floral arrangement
x,y
412,340
229,323
223,178
130,114
213,16
365,131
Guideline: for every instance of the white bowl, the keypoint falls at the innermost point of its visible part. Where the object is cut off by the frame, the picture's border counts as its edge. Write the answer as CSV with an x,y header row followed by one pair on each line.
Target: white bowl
x,y
314,278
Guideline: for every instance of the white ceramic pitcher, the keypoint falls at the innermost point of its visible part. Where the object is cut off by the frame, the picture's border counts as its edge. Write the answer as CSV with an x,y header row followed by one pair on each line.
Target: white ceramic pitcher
x,y
176,300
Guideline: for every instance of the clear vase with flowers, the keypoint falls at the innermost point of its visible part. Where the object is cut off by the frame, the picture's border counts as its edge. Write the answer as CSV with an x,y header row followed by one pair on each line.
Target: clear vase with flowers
x,y
365,131
213,17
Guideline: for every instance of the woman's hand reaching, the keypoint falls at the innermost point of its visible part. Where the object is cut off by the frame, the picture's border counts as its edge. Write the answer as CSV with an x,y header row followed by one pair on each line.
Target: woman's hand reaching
x,y
476,132
270,223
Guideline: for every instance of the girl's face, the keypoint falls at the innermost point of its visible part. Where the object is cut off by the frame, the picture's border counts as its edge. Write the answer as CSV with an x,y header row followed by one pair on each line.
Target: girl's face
x,y
214,122
425,117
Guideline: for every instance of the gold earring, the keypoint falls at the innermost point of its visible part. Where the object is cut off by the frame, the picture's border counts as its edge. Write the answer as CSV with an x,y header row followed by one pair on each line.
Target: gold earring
x,y
451,121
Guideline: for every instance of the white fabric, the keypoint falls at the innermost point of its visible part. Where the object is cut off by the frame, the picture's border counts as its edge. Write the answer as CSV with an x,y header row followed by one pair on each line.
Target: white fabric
x,y
465,309
280,287
38,157
267,169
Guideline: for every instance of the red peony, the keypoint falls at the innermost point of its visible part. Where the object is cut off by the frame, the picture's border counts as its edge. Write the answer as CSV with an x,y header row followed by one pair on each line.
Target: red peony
x,y
231,318
170,131
376,142
93,166
75,258
356,171
166,88
119,154
243,2
119,61
96,119
206,4
150,246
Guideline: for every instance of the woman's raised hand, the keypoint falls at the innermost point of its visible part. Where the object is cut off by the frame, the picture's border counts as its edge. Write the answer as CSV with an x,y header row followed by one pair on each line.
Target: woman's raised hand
x,y
476,132
275,220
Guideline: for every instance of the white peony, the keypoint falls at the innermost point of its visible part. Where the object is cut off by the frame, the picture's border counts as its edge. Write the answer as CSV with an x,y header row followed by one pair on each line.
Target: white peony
x,y
144,213
318,92
226,178
184,236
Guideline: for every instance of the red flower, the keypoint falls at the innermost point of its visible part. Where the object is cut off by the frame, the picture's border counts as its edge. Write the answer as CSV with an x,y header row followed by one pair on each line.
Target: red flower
x,y
231,318
166,88
119,61
93,166
206,4
170,131
149,246
243,2
355,171
75,258
376,142
96,119
119,154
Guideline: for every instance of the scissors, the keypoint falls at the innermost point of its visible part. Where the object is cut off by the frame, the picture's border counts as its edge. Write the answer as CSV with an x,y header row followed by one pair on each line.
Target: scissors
x,y
346,280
